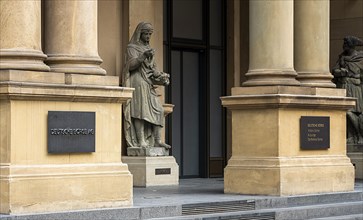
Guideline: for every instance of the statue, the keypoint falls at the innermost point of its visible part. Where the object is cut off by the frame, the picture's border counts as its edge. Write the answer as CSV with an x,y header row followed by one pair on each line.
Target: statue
x,y
348,74
143,114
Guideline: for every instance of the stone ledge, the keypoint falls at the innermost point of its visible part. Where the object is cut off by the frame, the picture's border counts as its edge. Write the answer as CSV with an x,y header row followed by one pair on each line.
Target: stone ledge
x,y
79,79
149,160
168,108
54,170
32,76
144,212
292,90
288,101
60,92
296,161
149,151
25,76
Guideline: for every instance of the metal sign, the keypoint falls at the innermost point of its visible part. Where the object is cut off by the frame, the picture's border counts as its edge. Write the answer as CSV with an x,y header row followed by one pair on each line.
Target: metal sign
x,y
163,171
314,132
71,132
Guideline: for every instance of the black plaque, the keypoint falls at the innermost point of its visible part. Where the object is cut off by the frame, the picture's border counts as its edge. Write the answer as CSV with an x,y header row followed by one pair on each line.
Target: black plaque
x,y
163,171
71,132
314,133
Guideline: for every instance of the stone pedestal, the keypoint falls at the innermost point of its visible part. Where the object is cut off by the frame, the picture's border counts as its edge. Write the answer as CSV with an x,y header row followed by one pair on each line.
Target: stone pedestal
x,y
149,151
153,171
33,180
267,158
355,153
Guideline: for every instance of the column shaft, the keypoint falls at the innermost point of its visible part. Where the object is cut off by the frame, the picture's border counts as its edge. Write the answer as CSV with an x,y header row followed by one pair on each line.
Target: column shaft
x,y
312,43
20,36
71,37
271,44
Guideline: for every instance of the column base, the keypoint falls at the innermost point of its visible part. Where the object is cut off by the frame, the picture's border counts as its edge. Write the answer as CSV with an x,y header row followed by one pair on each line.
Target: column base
x,y
316,79
289,176
23,60
153,171
42,188
271,78
75,64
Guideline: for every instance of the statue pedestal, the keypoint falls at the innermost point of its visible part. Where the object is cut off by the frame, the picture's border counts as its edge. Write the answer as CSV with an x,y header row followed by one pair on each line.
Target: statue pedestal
x,y
153,171
355,153
149,151
267,153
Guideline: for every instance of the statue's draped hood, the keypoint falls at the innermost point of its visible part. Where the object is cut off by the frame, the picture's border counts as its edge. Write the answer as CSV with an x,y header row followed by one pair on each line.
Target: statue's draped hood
x,y
142,26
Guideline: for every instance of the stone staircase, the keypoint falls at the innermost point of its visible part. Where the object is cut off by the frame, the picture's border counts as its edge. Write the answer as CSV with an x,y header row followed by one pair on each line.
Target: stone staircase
x,y
319,207
331,206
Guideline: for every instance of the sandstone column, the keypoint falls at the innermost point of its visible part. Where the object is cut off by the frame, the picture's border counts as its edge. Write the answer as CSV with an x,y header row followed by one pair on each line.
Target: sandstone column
x,y
71,37
312,43
20,36
271,44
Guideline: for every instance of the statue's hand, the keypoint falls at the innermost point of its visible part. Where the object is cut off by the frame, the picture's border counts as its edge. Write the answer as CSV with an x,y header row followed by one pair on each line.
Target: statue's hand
x,y
341,72
344,70
149,53
156,74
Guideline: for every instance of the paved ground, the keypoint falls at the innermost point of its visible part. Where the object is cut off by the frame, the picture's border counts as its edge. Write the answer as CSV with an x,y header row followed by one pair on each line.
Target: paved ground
x,y
166,201
193,191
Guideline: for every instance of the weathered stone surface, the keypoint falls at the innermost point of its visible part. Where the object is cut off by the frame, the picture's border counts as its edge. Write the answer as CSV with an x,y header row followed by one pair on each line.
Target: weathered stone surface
x,y
144,114
267,155
145,170
34,181
149,151
311,43
20,31
71,37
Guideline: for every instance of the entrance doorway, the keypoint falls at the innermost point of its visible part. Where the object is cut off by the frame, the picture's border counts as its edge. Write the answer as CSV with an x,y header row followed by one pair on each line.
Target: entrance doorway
x,y
194,55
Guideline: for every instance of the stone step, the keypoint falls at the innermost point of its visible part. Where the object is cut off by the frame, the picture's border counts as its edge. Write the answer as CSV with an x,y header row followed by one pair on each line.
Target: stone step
x,y
260,208
270,202
288,213
304,200
218,207
345,217
319,211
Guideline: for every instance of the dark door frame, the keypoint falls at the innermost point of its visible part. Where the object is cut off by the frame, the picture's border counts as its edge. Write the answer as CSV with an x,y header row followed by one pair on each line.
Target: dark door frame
x,y
172,43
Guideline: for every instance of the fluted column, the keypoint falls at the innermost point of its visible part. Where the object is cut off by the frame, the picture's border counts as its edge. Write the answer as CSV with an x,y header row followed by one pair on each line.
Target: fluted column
x,y
71,37
20,36
312,43
271,44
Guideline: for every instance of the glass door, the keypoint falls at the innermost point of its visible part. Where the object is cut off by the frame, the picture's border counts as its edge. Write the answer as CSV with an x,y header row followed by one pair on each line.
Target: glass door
x,y
194,55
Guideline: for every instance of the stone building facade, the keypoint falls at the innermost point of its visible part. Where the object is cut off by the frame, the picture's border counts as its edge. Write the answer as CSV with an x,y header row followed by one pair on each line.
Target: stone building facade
x,y
269,61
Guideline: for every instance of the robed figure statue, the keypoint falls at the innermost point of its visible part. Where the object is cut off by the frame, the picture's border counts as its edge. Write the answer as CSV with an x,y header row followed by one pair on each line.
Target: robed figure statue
x,y
143,114
348,74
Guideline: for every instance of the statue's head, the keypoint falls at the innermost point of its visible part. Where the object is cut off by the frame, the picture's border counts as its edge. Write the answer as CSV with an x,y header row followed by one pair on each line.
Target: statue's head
x,y
146,27
142,33
350,42
146,30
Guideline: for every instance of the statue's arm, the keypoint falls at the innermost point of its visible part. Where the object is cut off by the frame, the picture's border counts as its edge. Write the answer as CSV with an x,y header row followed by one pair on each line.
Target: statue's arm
x,y
135,59
339,71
